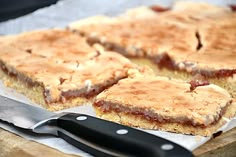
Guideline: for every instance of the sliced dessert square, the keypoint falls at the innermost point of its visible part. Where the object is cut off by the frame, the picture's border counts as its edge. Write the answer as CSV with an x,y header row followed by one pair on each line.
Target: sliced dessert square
x,y
138,37
151,31
187,40
164,104
57,68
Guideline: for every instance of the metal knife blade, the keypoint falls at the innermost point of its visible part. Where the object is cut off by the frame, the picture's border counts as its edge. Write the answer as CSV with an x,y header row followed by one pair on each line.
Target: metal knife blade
x,y
21,115
95,136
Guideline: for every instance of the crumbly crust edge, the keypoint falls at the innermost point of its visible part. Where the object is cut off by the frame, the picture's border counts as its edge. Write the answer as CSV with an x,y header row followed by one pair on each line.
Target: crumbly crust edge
x,y
140,122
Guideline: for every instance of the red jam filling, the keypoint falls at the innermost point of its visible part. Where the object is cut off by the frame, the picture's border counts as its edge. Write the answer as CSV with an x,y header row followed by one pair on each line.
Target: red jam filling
x,y
158,8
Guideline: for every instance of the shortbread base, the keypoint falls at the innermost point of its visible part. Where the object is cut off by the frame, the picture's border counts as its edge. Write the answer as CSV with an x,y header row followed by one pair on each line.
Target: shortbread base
x,y
141,122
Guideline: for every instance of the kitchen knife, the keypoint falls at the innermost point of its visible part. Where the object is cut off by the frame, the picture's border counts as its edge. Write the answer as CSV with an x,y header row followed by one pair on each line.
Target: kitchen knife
x,y
95,136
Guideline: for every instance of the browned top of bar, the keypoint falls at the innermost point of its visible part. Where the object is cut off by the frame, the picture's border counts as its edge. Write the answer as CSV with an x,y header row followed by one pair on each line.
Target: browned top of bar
x,y
58,44
62,62
196,33
218,44
192,13
144,36
170,100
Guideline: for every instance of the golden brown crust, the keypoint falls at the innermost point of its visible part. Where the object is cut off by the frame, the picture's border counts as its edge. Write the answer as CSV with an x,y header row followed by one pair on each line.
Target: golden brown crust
x,y
62,63
192,12
151,39
186,32
159,98
49,44
218,47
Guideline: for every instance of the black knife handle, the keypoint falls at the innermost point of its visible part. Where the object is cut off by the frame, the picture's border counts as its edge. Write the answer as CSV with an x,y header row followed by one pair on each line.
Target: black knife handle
x,y
97,136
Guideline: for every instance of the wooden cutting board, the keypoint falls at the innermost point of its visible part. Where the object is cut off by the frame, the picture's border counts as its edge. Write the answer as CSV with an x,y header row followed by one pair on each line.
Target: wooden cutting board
x,y
12,145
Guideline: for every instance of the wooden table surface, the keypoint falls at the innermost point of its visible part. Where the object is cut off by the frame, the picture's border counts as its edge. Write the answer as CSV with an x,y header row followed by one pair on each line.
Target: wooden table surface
x,y
12,145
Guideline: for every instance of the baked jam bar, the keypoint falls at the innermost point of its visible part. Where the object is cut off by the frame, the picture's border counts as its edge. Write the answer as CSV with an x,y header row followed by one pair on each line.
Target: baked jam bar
x,y
57,68
170,105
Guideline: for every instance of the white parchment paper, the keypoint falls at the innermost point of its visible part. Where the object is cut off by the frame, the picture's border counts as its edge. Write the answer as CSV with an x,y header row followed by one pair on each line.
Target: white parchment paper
x,y
59,15
187,141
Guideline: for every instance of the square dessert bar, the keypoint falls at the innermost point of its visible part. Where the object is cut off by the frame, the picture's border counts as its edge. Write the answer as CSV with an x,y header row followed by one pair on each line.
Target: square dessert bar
x,y
57,68
152,32
164,104
187,40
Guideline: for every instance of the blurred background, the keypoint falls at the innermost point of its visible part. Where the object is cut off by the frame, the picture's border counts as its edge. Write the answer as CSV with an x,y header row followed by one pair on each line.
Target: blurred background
x,y
23,15
12,9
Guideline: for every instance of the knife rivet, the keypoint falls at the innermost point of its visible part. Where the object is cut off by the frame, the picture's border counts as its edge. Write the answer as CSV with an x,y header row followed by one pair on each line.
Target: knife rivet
x,y
167,147
81,118
122,131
